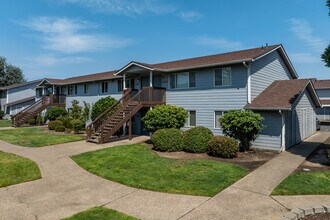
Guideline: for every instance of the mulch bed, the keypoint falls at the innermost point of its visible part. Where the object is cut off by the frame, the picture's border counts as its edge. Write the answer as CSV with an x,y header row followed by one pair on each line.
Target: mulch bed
x,y
324,216
250,160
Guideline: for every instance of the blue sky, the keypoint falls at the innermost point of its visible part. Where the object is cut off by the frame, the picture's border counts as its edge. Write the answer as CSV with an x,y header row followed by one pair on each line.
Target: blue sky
x,y
64,38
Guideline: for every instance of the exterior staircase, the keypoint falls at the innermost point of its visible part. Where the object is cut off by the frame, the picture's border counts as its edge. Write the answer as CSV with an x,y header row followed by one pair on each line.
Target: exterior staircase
x,y
33,110
109,122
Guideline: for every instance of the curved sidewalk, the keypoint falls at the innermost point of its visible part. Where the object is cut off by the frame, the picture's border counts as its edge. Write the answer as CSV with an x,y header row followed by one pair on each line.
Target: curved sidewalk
x,y
66,189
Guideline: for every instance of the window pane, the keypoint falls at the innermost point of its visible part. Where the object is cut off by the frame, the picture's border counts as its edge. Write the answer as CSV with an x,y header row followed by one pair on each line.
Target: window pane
x,y
226,75
192,117
172,81
217,117
182,80
192,79
86,87
218,77
75,89
120,85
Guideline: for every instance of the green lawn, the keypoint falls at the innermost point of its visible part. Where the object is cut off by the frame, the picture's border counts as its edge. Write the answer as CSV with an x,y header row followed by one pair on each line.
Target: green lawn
x,y
35,137
16,169
305,183
5,123
100,214
138,166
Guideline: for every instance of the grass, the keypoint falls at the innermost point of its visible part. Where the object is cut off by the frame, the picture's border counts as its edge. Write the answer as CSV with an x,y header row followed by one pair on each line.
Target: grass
x,y
305,183
100,214
16,169
35,137
5,123
138,166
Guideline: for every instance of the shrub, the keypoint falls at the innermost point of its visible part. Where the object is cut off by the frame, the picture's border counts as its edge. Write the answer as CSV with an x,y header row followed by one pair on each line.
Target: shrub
x,y
169,139
221,146
77,125
32,121
242,125
86,111
40,120
165,116
75,111
66,120
60,128
53,124
54,112
196,139
2,113
101,105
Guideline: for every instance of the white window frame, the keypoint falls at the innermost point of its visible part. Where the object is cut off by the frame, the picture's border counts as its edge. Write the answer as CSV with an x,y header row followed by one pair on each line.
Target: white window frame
x,y
214,117
187,125
69,88
222,69
175,74
86,91
102,87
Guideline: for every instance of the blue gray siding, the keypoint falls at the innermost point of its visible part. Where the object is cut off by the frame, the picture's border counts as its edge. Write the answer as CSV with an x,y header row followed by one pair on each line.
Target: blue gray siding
x,y
22,92
14,109
265,71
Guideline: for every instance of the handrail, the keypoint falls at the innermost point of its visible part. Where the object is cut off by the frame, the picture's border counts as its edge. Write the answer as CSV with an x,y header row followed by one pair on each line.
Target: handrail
x,y
28,108
95,121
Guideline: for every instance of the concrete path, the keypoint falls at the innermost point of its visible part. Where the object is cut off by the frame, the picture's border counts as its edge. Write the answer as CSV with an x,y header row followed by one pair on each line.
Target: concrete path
x,y
249,198
66,189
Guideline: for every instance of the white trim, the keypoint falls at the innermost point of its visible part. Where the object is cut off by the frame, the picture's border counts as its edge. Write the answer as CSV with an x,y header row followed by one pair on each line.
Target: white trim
x,y
265,54
150,79
130,64
188,120
283,131
175,88
214,119
230,78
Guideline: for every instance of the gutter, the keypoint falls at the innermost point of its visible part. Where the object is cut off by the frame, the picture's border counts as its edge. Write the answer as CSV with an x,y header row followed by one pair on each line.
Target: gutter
x,y
248,66
283,131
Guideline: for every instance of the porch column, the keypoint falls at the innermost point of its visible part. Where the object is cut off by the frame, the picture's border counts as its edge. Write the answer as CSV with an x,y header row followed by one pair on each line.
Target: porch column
x,y
150,78
124,82
53,89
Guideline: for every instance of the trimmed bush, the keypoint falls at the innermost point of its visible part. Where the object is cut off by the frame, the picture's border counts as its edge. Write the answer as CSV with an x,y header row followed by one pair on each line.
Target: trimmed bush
x,y
77,125
66,120
2,113
54,112
221,146
196,139
101,105
165,116
170,139
53,124
60,128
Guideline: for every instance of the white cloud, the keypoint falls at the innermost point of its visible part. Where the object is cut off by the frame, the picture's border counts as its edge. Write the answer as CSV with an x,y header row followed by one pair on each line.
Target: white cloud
x,y
126,7
47,60
305,58
218,43
190,16
303,31
64,35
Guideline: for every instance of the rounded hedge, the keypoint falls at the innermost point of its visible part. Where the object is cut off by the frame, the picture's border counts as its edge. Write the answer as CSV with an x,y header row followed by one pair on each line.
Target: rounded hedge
x,y
101,105
196,139
60,128
54,112
170,139
221,146
66,120
165,116
53,124
77,125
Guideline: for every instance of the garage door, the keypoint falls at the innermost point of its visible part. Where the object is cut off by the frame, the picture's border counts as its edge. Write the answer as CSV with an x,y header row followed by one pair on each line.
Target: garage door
x,y
307,123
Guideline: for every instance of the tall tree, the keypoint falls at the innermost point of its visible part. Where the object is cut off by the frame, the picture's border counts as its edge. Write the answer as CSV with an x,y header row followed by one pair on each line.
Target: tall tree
x,y
10,74
326,55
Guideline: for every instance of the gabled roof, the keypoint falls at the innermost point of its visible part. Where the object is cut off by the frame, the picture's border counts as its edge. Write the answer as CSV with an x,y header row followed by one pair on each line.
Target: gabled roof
x,y
248,55
283,94
322,84
20,84
81,79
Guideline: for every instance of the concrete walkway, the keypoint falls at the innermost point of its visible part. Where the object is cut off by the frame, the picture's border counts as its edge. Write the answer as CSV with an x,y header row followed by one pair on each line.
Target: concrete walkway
x,y
66,189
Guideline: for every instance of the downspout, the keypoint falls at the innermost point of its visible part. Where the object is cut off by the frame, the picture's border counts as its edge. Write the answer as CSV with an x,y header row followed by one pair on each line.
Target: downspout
x,y
248,86
283,131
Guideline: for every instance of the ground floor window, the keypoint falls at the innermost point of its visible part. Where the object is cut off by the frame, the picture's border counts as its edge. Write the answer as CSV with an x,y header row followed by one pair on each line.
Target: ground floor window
x,y
217,116
191,122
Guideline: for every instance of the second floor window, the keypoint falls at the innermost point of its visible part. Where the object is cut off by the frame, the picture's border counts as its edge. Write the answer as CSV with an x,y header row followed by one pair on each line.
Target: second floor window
x,y
72,90
183,80
222,77
86,88
39,92
120,84
104,87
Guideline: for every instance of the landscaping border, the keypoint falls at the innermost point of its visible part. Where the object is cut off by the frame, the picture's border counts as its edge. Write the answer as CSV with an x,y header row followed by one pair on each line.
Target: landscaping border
x,y
298,213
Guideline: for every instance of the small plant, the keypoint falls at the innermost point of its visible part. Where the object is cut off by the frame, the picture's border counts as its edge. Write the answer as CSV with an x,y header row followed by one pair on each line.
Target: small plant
x,y
40,120
76,110
77,125
32,121
170,139
196,139
86,111
2,113
165,116
54,112
221,146
66,120
53,124
242,125
60,128
101,105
